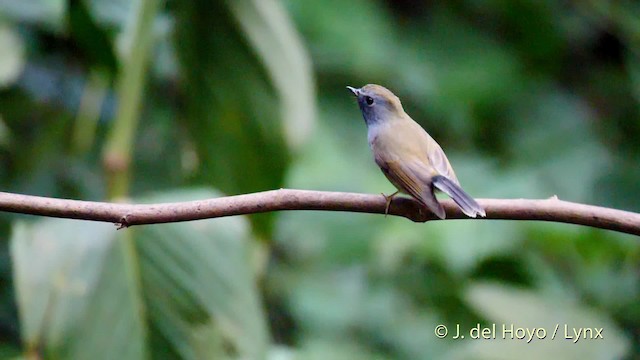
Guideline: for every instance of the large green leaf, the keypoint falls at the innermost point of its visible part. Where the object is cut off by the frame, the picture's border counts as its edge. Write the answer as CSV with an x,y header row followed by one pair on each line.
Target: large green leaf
x,y
92,39
240,96
199,285
506,306
11,55
273,37
44,13
76,291
86,290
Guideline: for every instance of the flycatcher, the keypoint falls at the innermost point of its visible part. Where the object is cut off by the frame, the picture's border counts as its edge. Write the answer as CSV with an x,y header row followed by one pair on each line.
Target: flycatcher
x,y
409,157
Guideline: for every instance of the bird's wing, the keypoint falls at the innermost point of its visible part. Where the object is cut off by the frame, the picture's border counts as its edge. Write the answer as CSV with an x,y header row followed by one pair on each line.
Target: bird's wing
x,y
413,178
432,157
439,161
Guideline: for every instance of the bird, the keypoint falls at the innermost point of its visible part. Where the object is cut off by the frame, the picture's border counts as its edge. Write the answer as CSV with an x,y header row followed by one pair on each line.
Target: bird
x,y
407,155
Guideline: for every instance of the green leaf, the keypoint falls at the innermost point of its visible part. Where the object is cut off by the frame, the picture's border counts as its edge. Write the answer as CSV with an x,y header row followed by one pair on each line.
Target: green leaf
x,y
199,284
11,55
234,97
92,39
276,41
506,306
187,289
553,157
74,289
351,37
46,13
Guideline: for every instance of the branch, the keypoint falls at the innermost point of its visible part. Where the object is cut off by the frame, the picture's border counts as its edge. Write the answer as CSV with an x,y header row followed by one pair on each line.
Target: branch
x,y
285,199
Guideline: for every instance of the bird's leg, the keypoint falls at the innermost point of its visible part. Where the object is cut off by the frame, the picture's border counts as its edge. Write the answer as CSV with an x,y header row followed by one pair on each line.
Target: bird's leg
x,y
389,198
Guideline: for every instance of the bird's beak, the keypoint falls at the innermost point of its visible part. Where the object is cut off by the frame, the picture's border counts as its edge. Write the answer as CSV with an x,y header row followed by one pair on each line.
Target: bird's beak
x,y
355,91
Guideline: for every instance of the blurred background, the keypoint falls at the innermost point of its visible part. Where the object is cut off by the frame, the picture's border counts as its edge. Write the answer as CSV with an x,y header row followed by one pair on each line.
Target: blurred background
x,y
157,101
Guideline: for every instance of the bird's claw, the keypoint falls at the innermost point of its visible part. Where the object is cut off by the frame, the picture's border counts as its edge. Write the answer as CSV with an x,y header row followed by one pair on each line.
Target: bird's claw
x,y
388,198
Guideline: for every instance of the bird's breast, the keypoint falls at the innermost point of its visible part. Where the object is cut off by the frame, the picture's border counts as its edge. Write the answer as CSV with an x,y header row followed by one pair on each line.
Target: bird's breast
x,y
395,140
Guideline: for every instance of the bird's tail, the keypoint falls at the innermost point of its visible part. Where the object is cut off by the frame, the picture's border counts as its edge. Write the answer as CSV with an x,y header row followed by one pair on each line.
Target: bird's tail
x,y
466,203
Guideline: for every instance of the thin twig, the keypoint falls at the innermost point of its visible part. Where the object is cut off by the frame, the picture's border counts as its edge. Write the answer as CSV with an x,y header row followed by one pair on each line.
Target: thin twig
x,y
126,215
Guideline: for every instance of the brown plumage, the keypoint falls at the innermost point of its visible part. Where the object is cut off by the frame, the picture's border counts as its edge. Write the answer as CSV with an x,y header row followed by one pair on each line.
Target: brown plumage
x,y
407,155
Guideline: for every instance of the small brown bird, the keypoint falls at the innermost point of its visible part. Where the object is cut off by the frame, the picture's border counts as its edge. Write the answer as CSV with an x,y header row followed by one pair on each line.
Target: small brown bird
x,y
409,157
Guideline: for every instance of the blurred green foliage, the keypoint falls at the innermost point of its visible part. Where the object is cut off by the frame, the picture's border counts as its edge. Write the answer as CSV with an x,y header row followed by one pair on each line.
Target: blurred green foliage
x,y
528,98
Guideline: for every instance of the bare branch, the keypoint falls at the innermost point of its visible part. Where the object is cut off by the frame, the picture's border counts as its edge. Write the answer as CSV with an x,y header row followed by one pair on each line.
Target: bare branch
x,y
285,199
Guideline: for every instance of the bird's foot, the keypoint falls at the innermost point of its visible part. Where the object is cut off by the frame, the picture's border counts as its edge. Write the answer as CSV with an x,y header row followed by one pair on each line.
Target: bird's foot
x,y
388,198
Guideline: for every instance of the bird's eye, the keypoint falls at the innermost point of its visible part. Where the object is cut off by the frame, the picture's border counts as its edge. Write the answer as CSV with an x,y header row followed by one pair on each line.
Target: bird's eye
x,y
368,100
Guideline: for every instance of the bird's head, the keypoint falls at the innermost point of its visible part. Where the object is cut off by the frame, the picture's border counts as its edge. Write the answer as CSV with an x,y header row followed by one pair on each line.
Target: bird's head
x,y
377,103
